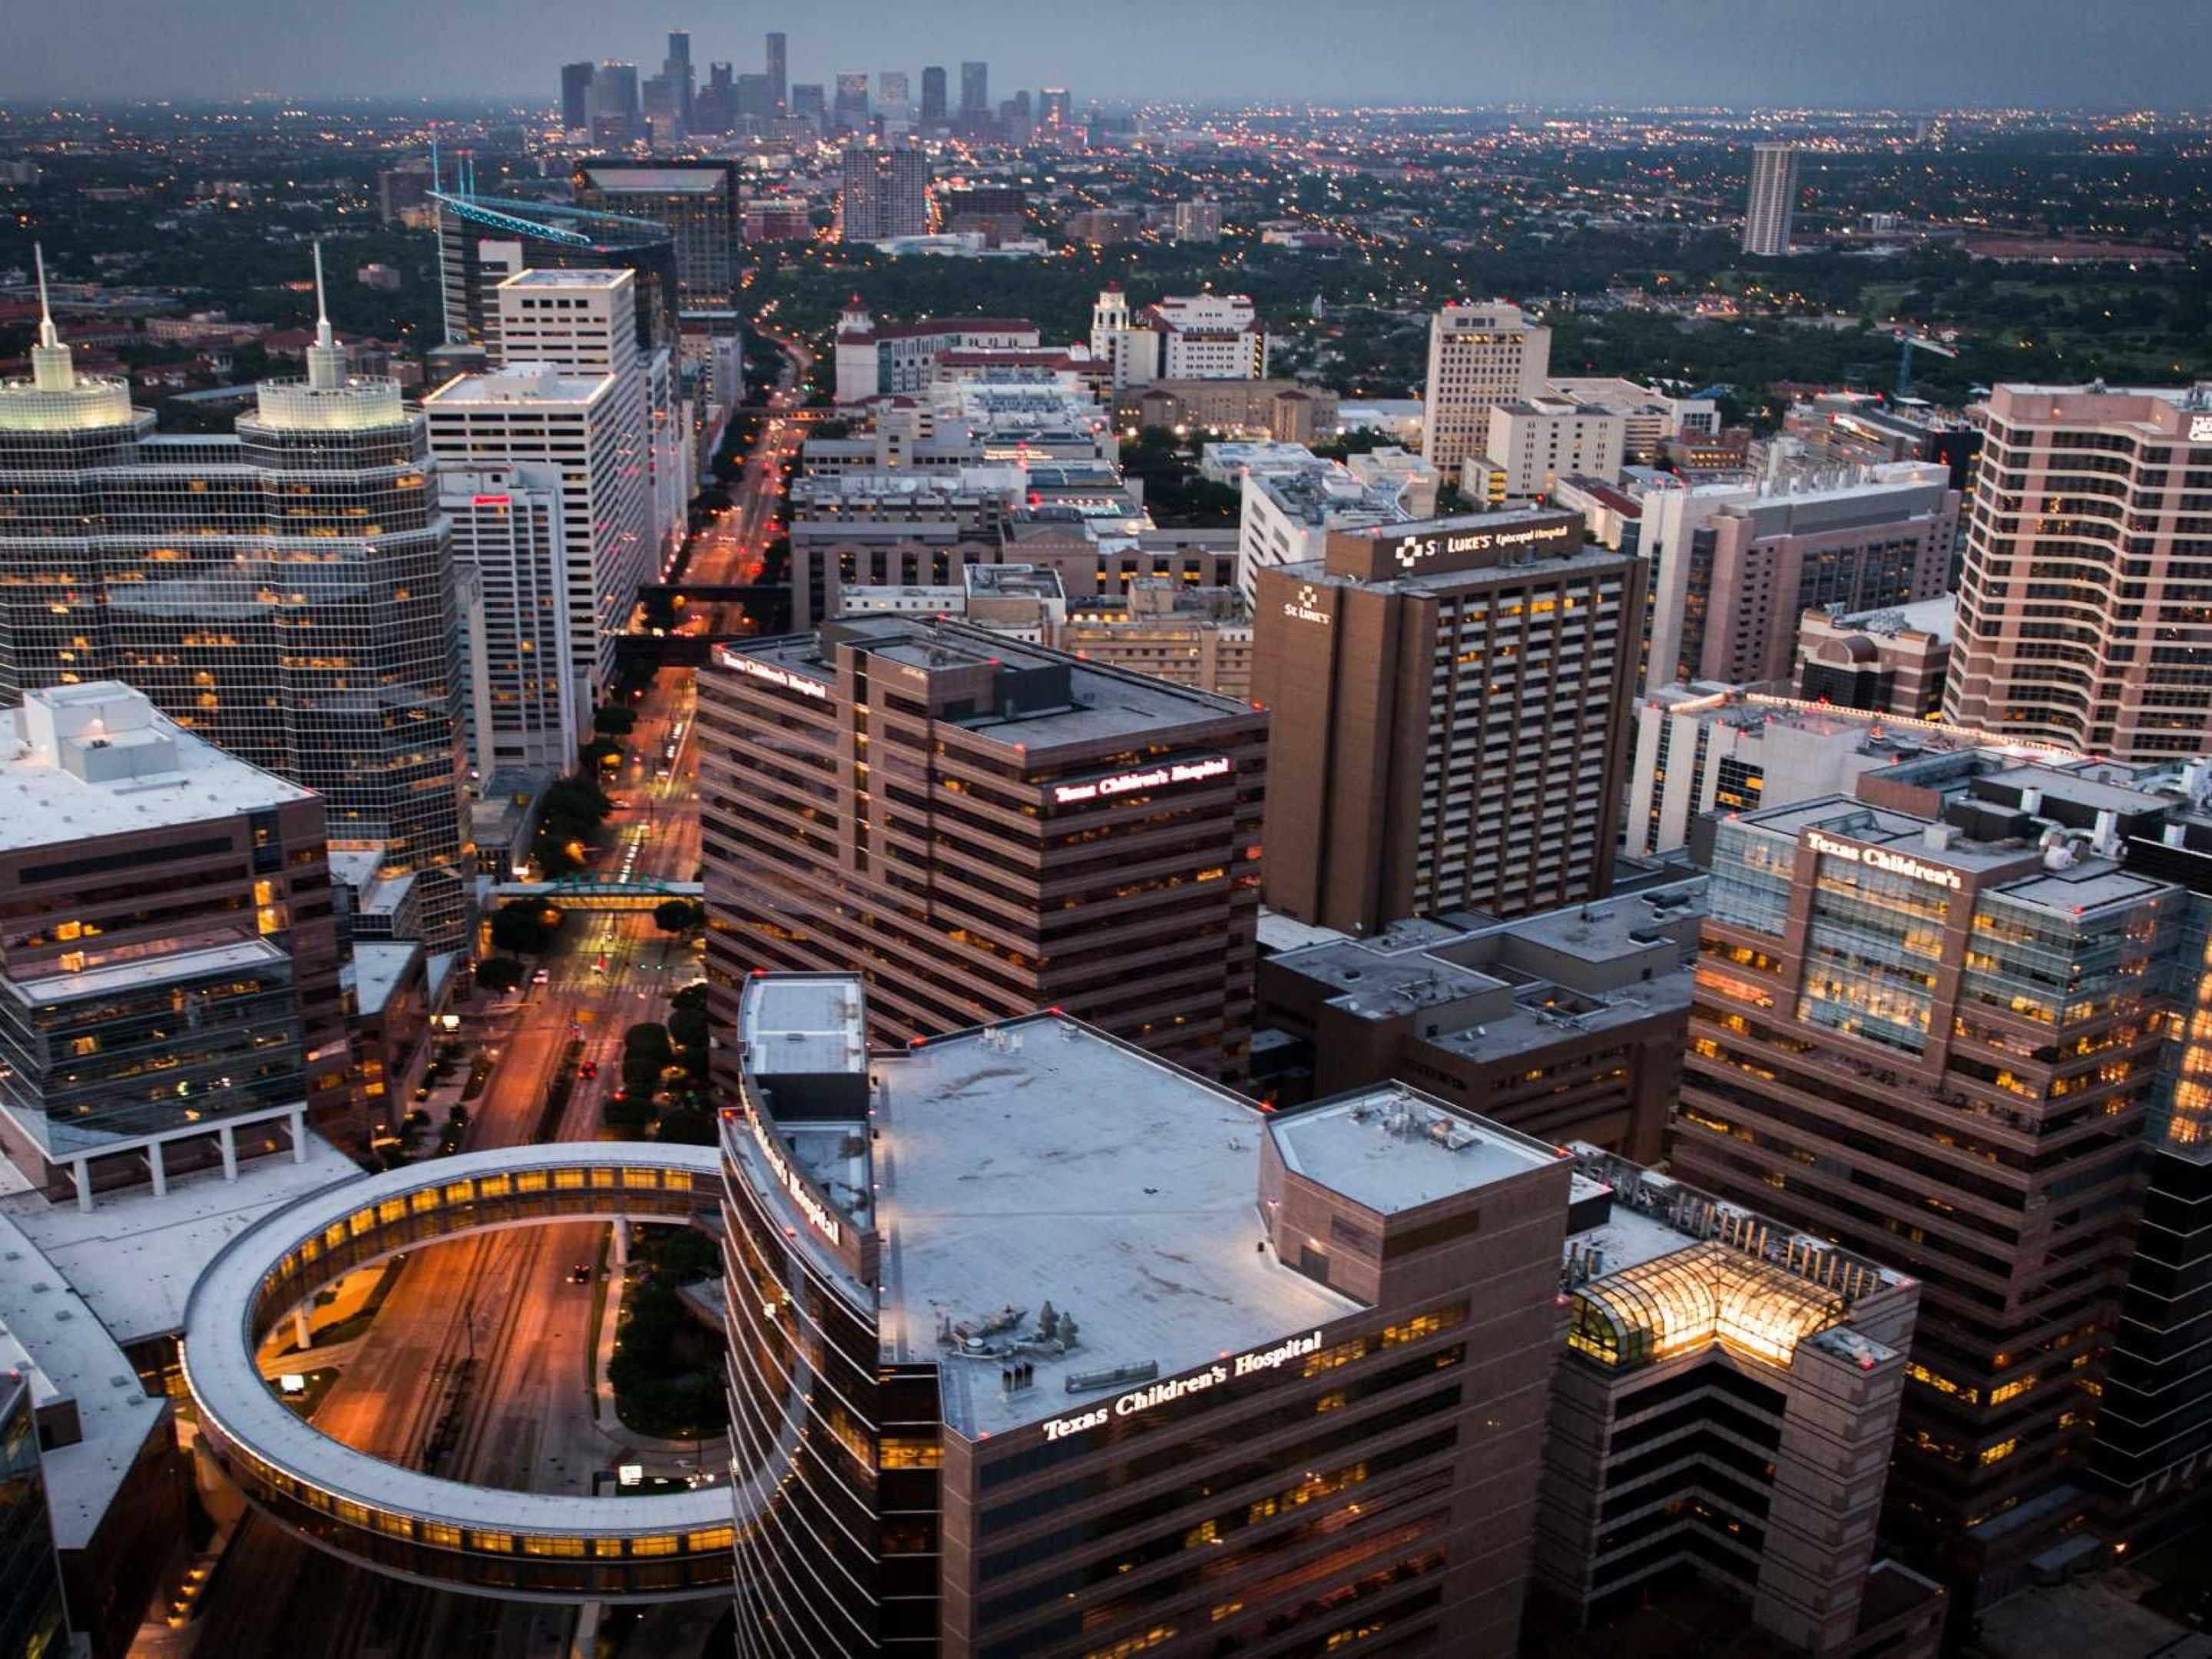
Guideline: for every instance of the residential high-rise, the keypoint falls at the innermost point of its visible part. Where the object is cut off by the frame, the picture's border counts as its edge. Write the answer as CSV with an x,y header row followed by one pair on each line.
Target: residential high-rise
x,y
169,993
577,405
884,193
2080,613
696,200
933,95
510,541
779,71
575,96
1450,700
283,592
1936,1042
849,114
1480,357
980,827
974,91
1116,1356
1772,200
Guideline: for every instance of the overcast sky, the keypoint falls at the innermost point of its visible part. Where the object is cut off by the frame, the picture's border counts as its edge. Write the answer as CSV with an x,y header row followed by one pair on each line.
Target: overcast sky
x,y
1918,52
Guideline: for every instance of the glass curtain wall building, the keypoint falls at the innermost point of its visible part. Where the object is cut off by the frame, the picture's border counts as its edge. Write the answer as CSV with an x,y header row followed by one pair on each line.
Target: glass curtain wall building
x,y
285,593
31,1623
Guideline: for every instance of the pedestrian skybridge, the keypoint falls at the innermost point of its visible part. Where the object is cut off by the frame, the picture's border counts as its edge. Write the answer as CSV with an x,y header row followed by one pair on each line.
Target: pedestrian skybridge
x,y
521,1545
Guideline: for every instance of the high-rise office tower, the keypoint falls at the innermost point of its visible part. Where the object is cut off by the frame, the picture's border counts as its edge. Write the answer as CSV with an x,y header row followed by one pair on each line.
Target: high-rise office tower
x,y
1772,200
677,67
695,199
885,192
933,95
779,71
1450,700
616,111
31,1618
482,240
850,113
1935,1041
1118,1358
575,96
808,102
715,109
891,96
1480,357
1053,108
283,592
146,1039
982,826
510,544
2081,612
974,90
571,393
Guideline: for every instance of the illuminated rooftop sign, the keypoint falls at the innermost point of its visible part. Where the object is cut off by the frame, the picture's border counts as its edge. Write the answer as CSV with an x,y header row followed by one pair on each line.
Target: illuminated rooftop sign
x,y
822,1217
1178,1387
1145,778
1882,858
774,675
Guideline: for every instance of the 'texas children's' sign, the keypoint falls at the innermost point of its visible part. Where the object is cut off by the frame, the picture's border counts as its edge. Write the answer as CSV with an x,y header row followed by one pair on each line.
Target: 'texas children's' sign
x,y
1178,1387
1882,858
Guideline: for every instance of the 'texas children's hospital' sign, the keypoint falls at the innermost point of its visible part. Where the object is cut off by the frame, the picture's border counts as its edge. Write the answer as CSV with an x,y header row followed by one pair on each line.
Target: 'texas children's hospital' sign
x,y
1150,777
1178,1387
1882,858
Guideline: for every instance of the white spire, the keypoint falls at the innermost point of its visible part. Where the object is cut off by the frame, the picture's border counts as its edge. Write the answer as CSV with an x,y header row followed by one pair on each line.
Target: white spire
x,y
51,367
326,365
48,335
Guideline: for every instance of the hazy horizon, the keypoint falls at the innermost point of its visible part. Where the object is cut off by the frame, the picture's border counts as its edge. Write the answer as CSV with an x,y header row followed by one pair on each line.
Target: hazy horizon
x,y
1744,54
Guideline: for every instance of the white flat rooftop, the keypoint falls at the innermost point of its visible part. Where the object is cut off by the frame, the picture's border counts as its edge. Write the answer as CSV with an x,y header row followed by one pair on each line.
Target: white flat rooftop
x,y
155,968
804,1024
134,1256
75,1358
1390,1150
44,804
1078,1170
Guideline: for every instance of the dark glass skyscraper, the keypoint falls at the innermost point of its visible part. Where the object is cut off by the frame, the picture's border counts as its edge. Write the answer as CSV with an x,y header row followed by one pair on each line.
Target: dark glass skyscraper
x,y
30,1579
932,95
779,72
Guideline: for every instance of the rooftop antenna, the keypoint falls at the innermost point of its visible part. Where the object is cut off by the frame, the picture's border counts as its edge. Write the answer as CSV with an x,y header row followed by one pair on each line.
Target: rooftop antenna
x,y
326,368
52,368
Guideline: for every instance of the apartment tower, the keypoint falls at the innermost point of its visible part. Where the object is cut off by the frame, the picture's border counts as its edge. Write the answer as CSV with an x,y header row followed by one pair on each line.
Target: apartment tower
x,y
2083,613
1773,201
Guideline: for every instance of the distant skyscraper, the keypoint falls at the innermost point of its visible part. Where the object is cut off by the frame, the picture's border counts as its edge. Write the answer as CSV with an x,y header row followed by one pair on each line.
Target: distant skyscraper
x,y
974,90
1480,355
716,105
695,199
807,100
677,68
284,593
779,72
932,95
755,98
890,92
575,96
614,111
1052,107
1773,199
850,113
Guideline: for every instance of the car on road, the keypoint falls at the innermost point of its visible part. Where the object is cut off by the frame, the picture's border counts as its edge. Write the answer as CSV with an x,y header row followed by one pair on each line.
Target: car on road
x,y
580,1273
543,976
588,1070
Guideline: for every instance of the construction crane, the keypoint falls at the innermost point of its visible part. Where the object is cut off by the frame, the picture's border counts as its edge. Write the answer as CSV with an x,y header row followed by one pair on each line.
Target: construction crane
x,y
1907,342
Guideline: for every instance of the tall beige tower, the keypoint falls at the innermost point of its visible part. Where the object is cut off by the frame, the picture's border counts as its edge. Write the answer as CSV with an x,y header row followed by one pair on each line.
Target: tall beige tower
x,y
1480,357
